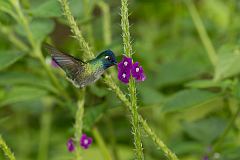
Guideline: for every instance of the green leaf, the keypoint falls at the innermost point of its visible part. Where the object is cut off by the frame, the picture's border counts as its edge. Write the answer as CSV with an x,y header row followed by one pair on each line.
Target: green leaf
x,y
205,130
3,120
9,57
6,7
188,147
92,115
218,12
187,99
231,153
204,84
52,8
47,9
22,93
228,65
150,95
176,72
6,19
40,28
24,78
96,90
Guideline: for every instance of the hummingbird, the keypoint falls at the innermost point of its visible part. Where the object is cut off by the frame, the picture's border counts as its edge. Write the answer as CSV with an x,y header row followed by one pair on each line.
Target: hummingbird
x,y
82,73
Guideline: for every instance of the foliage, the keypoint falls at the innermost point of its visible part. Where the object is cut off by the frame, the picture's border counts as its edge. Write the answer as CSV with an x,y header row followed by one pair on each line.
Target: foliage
x,y
190,99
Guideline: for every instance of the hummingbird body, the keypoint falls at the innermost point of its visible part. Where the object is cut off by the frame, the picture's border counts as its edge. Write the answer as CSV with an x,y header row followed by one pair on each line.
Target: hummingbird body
x,y
82,73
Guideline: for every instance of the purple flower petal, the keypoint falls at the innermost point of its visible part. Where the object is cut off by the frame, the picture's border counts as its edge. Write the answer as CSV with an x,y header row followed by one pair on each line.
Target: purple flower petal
x,y
125,64
137,72
89,140
85,141
124,75
70,145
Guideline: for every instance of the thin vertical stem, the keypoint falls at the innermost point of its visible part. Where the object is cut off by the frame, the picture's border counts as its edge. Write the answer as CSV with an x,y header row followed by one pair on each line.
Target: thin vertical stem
x,y
202,32
88,26
227,129
6,149
112,137
132,86
79,124
45,132
103,147
107,34
23,20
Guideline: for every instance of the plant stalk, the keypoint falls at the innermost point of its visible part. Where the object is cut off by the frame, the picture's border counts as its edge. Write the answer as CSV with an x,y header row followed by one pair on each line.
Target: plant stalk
x,y
35,48
212,55
6,149
107,78
45,132
132,86
79,124
107,34
227,129
103,147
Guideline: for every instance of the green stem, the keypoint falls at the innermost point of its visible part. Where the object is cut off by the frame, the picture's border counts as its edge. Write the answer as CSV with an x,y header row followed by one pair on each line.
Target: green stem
x,y
23,47
23,21
35,48
132,86
79,124
87,52
6,149
88,26
112,137
107,78
107,34
45,132
103,147
202,32
227,129
12,38
168,153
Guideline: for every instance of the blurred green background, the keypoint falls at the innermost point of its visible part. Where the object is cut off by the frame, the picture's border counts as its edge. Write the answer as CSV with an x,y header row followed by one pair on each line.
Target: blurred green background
x,y
190,100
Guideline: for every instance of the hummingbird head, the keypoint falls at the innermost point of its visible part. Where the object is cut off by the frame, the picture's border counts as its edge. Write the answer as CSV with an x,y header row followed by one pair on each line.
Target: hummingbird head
x,y
108,58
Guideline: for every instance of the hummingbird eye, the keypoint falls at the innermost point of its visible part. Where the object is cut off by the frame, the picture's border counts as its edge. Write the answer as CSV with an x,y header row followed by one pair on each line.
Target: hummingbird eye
x,y
108,58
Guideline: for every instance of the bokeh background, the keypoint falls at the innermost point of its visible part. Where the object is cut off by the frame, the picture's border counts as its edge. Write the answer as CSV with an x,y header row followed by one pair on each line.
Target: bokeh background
x,y
190,98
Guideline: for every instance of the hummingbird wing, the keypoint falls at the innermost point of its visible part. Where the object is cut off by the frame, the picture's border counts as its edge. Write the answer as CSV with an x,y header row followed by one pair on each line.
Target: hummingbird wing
x,y
71,65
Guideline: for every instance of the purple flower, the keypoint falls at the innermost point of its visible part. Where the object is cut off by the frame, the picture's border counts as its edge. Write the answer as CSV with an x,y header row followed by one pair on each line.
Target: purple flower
x,y
137,72
54,64
85,141
70,145
205,158
125,64
124,75
126,68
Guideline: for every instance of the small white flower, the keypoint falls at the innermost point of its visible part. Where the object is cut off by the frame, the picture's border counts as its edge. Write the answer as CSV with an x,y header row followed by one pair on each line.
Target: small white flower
x,y
137,69
124,75
85,141
125,63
